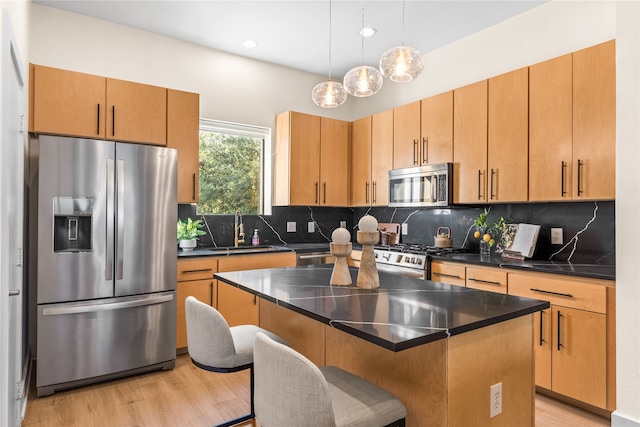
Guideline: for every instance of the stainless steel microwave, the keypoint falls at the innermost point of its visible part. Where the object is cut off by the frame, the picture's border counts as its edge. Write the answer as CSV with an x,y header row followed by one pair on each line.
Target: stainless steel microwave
x,y
429,185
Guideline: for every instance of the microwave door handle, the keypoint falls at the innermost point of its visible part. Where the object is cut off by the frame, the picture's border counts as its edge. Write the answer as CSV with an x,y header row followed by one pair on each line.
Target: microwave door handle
x,y
434,188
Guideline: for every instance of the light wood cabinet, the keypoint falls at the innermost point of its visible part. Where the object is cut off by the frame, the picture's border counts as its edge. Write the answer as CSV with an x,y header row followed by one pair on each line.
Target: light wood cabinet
x,y
470,143
136,112
371,159
594,122
309,169
447,272
486,279
572,110
240,307
66,103
183,123
408,149
437,128
550,130
195,278
508,137
574,340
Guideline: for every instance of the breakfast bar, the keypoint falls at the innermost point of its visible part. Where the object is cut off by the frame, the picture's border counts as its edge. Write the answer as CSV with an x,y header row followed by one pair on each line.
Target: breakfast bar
x,y
439,348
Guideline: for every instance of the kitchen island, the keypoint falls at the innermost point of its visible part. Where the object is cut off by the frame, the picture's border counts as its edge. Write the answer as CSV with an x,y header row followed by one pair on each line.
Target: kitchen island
x,y
439,348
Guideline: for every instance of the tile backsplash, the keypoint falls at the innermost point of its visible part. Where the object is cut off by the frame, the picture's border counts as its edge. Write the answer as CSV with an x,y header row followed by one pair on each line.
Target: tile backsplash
x,y
588,227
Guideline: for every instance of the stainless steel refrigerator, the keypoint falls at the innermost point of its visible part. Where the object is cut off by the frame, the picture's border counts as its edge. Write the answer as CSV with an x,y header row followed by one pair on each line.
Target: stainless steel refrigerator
x,y
105,246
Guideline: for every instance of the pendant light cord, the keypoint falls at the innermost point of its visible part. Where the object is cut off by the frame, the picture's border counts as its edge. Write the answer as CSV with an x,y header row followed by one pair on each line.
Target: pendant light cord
x,y
329,40
402,22
362,36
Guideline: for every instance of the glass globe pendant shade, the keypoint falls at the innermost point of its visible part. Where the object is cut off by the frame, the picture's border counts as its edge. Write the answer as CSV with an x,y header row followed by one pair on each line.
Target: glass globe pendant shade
x,y
363,81
329,94
401,64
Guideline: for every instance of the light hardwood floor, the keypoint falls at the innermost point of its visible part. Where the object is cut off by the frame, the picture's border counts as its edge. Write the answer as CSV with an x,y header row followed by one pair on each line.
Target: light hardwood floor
x,y
190,397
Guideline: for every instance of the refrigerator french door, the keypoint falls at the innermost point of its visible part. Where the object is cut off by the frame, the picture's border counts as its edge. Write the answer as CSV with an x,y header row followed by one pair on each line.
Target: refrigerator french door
x,y
106,259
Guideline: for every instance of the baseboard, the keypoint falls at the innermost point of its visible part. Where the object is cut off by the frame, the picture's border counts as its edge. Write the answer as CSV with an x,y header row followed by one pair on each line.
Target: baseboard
x,y
618,420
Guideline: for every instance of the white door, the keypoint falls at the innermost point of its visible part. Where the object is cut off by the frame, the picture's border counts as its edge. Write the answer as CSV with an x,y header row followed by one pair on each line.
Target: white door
x,y
12,160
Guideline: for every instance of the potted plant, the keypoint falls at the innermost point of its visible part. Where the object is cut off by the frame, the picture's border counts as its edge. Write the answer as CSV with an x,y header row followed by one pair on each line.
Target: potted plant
x,y
188,232
486,233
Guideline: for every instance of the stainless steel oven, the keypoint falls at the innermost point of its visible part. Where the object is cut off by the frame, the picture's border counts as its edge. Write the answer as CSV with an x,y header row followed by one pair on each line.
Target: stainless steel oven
x,y
411,260
429,185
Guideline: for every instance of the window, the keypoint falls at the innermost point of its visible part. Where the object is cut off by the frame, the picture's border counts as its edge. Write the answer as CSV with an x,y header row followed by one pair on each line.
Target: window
x,y
235,172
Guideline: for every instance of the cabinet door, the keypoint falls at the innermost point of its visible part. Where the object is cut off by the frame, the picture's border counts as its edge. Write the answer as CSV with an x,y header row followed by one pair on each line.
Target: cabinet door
x,y
406,136
542,341
334,162
297,164
136,112
594,122
550,123
67,103
381,156
437,128
238,307
470,143
579,355
453,274
183,123
203,290
508,137
361,162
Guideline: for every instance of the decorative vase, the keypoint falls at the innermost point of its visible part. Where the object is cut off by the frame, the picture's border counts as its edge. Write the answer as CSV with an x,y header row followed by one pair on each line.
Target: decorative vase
x,y
485,250
187,245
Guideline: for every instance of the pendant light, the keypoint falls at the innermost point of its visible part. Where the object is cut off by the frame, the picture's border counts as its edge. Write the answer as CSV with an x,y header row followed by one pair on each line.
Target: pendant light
x,y
363,80
329,94
401,63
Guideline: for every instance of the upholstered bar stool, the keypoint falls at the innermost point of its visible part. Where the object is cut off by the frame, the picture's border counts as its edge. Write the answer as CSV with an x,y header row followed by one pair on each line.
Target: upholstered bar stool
x,y
292,391
216,347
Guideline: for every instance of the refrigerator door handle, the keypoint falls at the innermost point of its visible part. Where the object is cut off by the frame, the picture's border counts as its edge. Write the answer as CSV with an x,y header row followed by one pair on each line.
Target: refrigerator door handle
x,y
52,311
120,220
108,271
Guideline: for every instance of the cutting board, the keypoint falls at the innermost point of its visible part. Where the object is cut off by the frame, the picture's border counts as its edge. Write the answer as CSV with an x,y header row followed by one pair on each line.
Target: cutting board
x,y
391,227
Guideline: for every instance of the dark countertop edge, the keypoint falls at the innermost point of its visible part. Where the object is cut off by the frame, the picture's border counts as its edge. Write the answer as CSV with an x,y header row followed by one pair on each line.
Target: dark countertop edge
x,y
536,266
205,252
395,347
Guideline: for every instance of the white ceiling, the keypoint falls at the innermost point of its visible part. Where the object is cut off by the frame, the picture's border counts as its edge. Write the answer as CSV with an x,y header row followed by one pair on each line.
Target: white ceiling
x,y
295,34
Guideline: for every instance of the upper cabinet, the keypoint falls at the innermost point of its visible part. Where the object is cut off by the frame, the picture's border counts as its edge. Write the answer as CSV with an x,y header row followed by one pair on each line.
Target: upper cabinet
x,y
136,112
371,159
437,128
408,149
183,112
311,161
508,137
572,126
67,103
470,143
594,122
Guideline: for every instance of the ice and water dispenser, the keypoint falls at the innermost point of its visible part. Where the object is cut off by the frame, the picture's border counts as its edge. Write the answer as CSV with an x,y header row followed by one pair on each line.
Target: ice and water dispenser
x,y
72,218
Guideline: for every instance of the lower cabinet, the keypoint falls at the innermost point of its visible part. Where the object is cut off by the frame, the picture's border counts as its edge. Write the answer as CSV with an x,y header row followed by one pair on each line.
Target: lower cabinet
x,y
195,277
447,272
574,340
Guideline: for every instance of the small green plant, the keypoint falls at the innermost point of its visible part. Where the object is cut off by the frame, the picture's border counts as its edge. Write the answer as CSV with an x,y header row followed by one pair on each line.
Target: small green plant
x,y
189,229
489,233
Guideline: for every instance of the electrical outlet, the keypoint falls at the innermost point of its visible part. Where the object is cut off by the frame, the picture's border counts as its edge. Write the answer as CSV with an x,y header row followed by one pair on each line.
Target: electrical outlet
x,y
291,227
495,400
405,228
556,236
343,224
311,227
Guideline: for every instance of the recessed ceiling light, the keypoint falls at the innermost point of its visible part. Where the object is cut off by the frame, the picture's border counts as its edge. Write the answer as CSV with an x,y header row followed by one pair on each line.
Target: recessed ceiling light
x,y
250,44
368,31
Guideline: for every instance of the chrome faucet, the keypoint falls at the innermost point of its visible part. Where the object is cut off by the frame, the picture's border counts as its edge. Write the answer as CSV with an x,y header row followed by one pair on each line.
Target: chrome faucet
x,y
238,229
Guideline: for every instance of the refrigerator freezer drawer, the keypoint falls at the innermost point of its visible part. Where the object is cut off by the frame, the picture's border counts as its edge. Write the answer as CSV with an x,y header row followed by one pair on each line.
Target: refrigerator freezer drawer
x,y
83,340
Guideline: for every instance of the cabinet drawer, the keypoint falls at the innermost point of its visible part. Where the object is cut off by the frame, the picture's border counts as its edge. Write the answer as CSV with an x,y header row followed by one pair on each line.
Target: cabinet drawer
x,y
454,274
257,261
493,280
197,268
580,294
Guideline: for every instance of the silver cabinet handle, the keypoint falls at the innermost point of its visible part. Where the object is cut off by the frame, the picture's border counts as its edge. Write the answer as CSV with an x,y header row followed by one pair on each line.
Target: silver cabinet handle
x,y
322,255
52,311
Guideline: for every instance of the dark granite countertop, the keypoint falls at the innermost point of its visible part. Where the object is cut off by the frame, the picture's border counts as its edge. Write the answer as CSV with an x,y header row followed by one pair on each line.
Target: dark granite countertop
x,y
220,251
582,269
401,314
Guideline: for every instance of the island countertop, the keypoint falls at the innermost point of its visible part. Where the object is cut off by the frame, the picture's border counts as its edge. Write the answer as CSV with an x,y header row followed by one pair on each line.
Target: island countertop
x,y
401,314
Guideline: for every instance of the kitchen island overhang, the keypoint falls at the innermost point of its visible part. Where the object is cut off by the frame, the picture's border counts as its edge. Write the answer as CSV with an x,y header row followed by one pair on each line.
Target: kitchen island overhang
x,y
417,311
438,348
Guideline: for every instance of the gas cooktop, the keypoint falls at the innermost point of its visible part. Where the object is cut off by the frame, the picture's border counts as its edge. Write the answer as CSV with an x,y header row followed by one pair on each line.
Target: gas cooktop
x,y
420,249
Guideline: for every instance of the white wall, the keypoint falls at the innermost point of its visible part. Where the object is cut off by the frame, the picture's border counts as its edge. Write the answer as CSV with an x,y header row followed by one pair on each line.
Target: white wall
x,y
241,90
